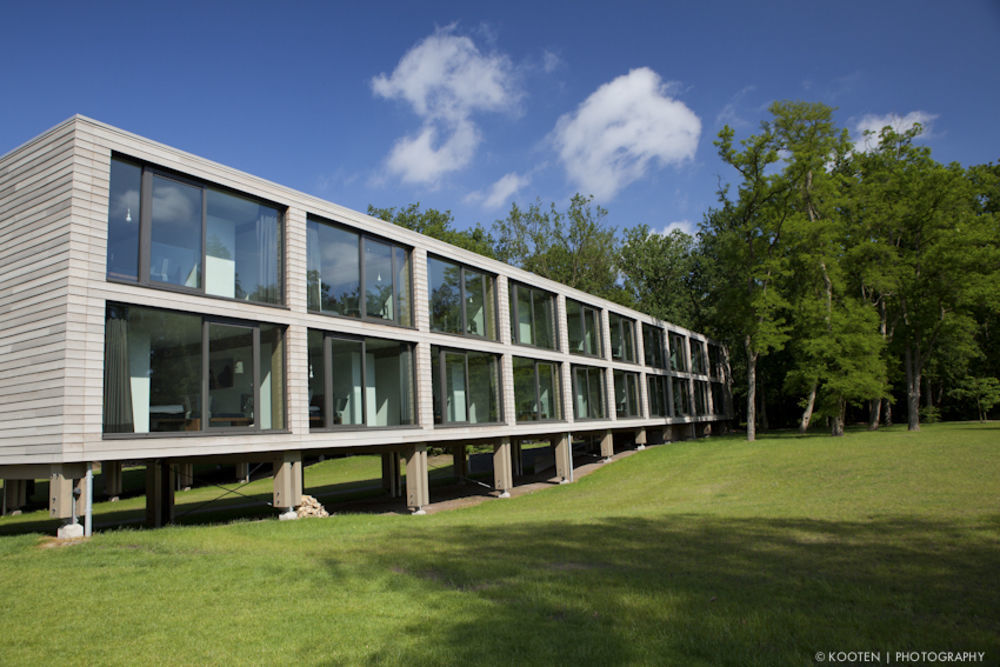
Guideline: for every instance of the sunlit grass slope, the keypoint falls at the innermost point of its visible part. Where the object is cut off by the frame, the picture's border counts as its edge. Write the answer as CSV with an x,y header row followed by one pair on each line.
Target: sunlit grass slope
x,y
706,552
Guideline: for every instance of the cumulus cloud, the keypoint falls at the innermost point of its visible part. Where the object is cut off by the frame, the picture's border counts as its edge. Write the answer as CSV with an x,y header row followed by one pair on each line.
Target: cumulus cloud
x,y
875,123
626,124
446,80
501,192
685,226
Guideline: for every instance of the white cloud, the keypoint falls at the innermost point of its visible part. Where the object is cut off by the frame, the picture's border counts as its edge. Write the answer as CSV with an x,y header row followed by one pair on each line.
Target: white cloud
x,y
550,62
501,192
445,79
612,137
875,123
685,226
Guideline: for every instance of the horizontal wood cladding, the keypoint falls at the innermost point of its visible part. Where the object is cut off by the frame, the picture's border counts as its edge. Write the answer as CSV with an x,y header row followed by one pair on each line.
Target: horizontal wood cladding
x,y
36,199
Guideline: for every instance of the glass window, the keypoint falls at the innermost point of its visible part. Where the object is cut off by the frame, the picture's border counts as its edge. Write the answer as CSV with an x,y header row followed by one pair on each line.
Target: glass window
x,y
626,394
123,220
378,280
656,392
536,390
462,300
715,365
362,381
154,373
583,327
682,397
653,346
588,392
698,361
622,337
718,398
678,352
157,224
532,316
700,398
466,386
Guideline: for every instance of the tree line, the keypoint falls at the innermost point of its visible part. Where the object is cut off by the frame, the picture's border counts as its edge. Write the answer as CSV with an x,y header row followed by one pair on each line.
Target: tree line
x,y
847,284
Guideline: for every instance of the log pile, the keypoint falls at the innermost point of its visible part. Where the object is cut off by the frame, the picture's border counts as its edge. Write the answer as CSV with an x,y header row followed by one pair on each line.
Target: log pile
x,y
310,507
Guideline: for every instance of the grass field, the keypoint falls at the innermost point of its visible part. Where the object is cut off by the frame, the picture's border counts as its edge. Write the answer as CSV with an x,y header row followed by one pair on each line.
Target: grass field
x,y
706,552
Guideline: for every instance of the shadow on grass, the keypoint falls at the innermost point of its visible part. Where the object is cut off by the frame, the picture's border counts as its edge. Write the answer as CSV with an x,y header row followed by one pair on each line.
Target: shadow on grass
x,y
693,590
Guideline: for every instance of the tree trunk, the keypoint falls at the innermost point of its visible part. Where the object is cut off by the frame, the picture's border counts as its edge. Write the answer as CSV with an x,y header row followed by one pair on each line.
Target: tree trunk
x,y
808,412
888,412
911,361
838,419
751,390
874,414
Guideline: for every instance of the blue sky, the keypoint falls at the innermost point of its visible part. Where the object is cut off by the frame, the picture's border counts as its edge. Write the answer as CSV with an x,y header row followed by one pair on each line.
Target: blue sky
x,y
470,106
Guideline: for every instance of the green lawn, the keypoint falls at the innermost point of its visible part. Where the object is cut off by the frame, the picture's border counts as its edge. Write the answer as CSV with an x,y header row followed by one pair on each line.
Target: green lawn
x,y
704,552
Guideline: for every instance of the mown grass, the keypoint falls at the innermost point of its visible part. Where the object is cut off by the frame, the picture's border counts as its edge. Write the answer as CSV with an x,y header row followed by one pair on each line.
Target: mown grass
x,y
704,552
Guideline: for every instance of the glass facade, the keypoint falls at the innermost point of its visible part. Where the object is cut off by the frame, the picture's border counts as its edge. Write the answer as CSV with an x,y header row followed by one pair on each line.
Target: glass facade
x,y
627,394
167,371
532,316
699,364
355,275
360,382
588,392
654,346
466,386
678,352
164,230
462,299
583,325
622,332
656,394
700,398
682,396
536,390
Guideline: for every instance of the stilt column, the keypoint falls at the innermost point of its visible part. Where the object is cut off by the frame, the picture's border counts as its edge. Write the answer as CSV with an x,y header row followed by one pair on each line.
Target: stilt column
x,y
288,483
640,439
460,462
15,494
417,491
160,484
503,479
243,472
564,457
516,459
185,476
607,446
391,475
111,471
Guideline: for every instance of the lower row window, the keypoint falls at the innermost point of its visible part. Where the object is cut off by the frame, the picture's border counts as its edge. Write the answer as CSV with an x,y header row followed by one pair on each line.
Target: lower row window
x,y
167,371
588,392
359,381
536,390
466,386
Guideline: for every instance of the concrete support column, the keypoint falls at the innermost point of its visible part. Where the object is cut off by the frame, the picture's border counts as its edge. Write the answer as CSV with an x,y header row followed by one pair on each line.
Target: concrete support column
x,y
160,484
185,476
417,487
460,462
111,471
60,496
640,439
392,480
15,495
503,478
243,472
516,458
607,446
287,483
562,444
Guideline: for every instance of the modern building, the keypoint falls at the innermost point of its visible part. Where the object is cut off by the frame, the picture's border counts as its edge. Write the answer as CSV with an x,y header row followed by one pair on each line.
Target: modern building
x,y
157,307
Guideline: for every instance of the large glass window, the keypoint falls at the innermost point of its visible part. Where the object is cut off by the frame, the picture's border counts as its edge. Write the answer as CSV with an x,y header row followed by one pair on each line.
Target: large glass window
x,y
536,390
701,398
622,337
588,392
678,352
583,324
718,398
656,393
167,230
716,366
532,316
355,275
682,397
461,299
627,394
359,381
166,371
466,386
699,364
654,346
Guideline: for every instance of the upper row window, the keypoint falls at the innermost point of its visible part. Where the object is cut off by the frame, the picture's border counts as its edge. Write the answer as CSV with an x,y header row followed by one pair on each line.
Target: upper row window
x,y
622,332
532,316
356,275
583,324
168,231
461,299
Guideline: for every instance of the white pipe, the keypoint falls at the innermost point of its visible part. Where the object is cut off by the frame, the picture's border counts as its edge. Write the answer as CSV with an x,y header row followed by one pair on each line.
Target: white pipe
x,y
88,520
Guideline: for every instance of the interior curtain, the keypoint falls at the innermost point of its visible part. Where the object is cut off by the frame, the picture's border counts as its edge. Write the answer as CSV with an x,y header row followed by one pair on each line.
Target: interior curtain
x,y
268,254
117,382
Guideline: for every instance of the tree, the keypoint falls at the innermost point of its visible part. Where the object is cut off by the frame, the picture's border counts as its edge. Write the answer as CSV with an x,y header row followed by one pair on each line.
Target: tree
x,y
437,224
661,273
984,391
576,247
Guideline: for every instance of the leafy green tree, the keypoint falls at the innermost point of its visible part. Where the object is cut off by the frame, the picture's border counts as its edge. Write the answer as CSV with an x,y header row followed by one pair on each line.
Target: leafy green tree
x,y
575,247
984,391
662,275
437,224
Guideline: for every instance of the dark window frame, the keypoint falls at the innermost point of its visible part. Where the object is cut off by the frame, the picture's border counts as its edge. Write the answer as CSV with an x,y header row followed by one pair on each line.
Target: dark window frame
x,y
439,407
682,367
635,410
363,316
658,338
621,322
663,382
603,388
598,328
148,171
513,288
328,425
538,390
490,279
